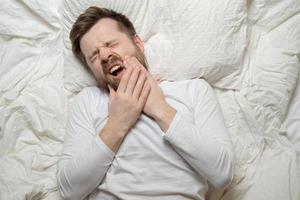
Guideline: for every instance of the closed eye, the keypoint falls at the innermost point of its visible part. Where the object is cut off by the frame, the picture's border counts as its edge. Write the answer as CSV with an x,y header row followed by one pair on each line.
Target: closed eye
x,y
94,55
113,44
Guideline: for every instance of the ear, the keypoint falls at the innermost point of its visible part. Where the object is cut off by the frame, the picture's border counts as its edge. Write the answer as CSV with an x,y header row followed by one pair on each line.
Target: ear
x,y
138,41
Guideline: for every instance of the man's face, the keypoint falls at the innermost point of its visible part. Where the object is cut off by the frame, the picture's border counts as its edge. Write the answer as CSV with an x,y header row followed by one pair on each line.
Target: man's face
x,y
104,46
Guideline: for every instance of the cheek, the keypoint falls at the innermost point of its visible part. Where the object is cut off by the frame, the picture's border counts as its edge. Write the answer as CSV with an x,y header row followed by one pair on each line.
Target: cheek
x,y
99,75
96,70
127,49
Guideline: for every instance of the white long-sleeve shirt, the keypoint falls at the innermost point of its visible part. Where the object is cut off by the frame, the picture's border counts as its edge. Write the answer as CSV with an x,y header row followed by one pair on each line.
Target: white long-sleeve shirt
x,y
149,164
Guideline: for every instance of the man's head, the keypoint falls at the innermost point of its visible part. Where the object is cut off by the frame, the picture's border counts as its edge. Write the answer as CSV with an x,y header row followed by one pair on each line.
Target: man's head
x,y
101,38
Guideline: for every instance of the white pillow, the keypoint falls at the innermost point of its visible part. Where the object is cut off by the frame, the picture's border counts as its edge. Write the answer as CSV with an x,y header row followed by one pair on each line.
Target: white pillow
x,y
182,40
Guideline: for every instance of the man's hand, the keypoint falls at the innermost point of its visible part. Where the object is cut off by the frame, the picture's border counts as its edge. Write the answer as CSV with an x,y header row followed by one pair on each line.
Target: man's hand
x,y
156,105
125,106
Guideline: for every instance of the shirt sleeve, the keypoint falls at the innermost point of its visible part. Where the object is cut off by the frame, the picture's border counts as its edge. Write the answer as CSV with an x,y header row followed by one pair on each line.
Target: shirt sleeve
x,y
85,158
204,143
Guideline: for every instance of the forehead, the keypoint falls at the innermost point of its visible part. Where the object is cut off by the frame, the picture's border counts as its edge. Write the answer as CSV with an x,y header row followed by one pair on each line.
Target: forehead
x,y
104,30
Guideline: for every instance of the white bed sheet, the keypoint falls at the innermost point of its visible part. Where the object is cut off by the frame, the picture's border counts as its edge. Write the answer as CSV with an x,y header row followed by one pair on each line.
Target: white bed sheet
x,y
32,101
36,88
267,163
292,121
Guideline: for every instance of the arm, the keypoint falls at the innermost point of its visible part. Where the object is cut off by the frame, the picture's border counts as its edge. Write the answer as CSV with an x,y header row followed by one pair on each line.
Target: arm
x,y
87,156
204,143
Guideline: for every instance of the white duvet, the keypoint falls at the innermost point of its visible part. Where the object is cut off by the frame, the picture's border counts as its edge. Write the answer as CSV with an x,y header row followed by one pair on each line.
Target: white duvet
x,y
38,79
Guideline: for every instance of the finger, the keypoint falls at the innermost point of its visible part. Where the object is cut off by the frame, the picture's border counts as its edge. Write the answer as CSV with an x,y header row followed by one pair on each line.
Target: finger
x,y
126,60
125,78
150,79
132,81
112,92
139,86
136,62
158,78
144,95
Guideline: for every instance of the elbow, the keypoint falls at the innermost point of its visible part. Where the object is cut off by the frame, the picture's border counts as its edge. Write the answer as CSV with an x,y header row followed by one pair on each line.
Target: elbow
x,y
65,188
224,172
66,195
222,181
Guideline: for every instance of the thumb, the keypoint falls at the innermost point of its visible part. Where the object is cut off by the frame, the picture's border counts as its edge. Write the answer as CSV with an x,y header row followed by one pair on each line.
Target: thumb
x,y
112,91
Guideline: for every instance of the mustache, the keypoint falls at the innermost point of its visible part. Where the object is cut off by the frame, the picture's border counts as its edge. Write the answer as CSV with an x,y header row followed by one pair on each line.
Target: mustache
x,y
116,58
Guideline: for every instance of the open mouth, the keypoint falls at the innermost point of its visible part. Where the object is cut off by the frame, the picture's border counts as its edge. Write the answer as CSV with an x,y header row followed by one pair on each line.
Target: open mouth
x,y
116,70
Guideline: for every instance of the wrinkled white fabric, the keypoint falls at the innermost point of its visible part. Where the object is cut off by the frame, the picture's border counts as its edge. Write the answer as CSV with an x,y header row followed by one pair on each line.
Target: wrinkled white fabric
x,y
292,121
255,114
150,164
38,79
32,100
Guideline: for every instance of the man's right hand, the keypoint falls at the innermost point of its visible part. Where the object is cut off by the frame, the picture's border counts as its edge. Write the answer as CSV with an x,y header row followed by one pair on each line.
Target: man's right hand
x,y
125,106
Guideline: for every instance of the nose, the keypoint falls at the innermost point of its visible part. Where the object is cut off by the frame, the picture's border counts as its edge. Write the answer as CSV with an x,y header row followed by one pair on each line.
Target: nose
x,y
105,53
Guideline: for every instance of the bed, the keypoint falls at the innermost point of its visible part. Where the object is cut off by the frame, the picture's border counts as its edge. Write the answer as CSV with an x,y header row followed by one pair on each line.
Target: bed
x,y
249,51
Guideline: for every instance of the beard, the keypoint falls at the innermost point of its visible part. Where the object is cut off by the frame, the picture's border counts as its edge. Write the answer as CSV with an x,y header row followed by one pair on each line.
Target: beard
x,y
113,59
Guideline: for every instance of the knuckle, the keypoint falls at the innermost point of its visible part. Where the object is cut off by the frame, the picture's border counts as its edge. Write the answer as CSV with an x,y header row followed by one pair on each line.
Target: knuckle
x,y
139,106
142,76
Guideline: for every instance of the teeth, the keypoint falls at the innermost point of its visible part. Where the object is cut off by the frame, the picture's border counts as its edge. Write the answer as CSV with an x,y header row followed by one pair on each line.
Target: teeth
x,y
114,68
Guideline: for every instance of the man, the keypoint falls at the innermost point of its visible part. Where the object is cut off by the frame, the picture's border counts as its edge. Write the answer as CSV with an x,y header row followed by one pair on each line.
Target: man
x,y
134,138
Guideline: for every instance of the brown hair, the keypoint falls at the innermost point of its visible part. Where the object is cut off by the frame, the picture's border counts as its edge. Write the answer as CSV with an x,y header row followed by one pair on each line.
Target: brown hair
x,y
88,19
